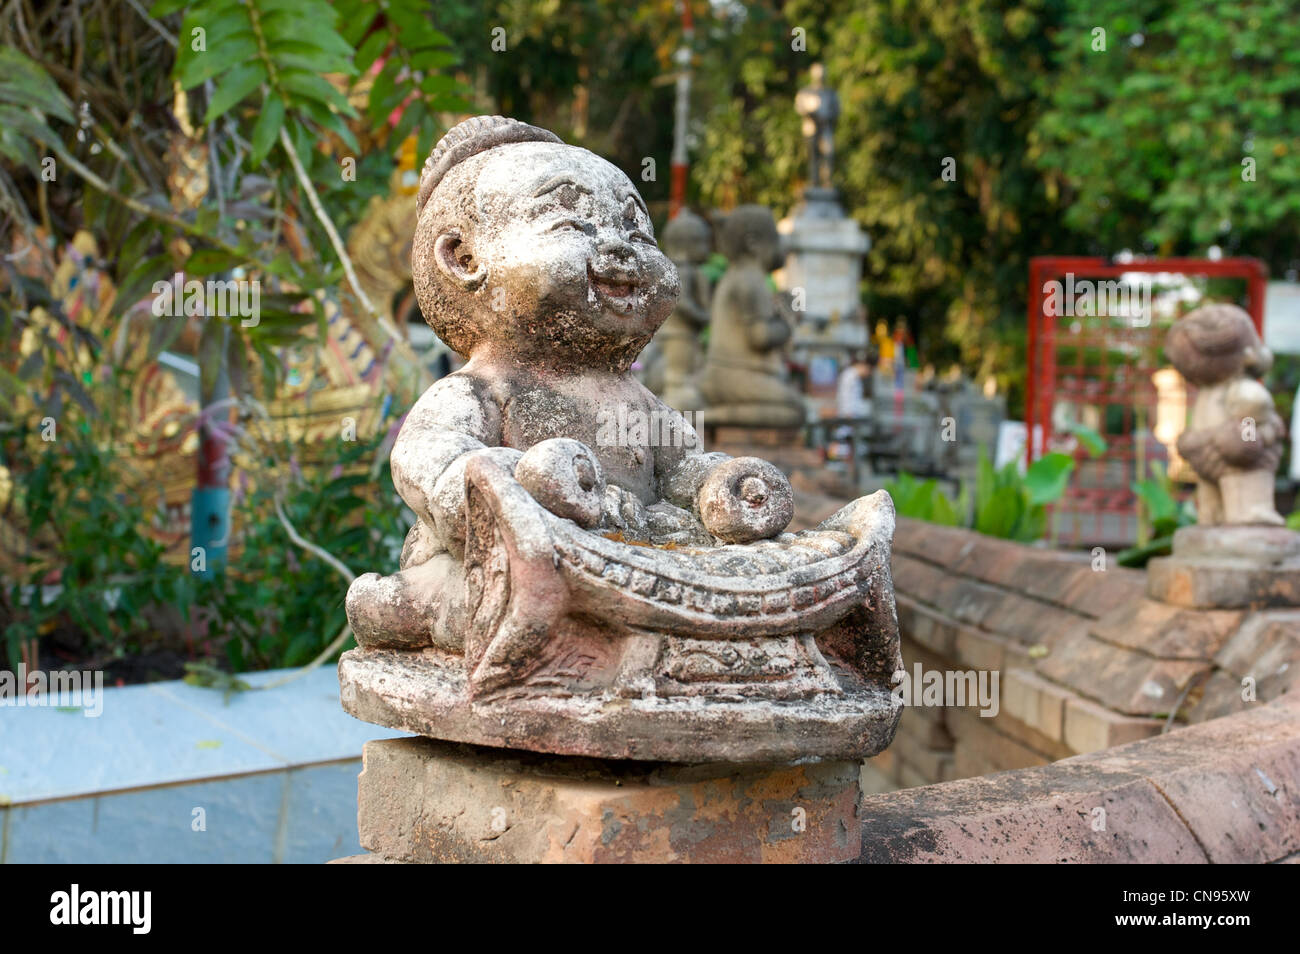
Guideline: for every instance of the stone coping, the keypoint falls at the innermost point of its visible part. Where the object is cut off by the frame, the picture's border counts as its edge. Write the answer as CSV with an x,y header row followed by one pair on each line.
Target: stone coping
x,y
1227,790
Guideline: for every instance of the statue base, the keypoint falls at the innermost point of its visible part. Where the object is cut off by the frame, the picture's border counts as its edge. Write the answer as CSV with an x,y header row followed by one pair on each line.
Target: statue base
x,y
422,801
1228,567
827,714
826,249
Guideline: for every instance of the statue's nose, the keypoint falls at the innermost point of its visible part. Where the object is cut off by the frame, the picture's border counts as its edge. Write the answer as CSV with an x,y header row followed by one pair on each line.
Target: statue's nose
x,y
615,246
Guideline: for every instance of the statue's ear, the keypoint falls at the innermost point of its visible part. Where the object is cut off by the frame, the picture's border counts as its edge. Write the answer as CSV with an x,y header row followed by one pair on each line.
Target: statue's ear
x,y
1258,360
456,260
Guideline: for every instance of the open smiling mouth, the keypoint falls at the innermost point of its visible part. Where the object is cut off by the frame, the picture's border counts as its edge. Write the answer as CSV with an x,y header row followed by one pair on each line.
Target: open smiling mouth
x,y
619,294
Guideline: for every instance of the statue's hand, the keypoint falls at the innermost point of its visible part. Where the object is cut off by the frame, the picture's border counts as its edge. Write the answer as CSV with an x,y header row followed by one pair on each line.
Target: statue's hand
x,y
746,499
564,476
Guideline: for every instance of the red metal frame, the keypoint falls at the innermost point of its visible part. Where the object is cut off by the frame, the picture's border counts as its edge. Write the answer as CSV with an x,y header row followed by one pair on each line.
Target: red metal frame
x,y
1043,388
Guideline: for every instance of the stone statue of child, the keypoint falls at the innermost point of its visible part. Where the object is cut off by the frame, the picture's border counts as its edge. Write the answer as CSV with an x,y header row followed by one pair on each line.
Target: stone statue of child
x,y
537,262
744,380
686,240
1234,441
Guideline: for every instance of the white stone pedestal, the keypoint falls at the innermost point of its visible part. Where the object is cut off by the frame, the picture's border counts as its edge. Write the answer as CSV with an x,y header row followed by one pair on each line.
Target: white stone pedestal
x,y
824,258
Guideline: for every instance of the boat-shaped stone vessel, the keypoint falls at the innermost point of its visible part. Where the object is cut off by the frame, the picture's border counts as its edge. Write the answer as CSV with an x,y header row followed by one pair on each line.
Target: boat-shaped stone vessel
x,y
578,642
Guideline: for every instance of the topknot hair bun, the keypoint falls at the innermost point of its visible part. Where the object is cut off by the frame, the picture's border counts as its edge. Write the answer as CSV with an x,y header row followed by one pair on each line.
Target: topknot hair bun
x,y
474,135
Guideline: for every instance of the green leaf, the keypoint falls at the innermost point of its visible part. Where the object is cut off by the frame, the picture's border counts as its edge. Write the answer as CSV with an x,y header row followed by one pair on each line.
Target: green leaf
x,y
370,49
27,123
1160,503
267,129
315,87
17,148
195,67
24,83
299,25
1000,514
1047,478
233,87
209,261
1091,439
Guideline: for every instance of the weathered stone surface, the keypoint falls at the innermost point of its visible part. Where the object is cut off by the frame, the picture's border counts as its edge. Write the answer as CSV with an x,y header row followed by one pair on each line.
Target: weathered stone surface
x,y
582,578
1253,545
426,801
1101,591
1164,630
1219,584
1235,438
1031,622
424,693
1221,791
1039,815
980,733
1234,782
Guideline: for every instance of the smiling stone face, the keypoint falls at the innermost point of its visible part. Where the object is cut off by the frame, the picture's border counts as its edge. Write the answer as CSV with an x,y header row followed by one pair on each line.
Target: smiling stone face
x,y
560,260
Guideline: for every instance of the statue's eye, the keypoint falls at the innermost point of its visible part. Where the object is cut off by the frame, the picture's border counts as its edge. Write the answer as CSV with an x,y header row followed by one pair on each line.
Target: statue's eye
x,y
566,224
638,236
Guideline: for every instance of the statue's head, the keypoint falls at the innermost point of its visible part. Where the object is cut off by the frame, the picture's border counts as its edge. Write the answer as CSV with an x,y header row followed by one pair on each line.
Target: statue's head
x,y
1215,343
818,74
687,238
749,232
533,249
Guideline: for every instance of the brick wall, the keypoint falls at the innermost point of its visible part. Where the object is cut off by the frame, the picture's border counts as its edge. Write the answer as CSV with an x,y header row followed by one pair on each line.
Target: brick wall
x,y
1086,660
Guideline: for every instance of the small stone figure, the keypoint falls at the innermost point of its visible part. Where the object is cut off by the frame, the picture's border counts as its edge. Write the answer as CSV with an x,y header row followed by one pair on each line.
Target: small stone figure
x,y
687,241
1234,441
744,379
820,108
578,582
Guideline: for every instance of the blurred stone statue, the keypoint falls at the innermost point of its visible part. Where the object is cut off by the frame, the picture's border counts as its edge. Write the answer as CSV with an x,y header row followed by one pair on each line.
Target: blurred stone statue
x,y
744,377
687,241
820,108
1234,442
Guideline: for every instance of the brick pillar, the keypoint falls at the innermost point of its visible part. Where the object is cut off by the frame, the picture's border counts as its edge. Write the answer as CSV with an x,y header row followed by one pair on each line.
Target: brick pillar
x,y
425,801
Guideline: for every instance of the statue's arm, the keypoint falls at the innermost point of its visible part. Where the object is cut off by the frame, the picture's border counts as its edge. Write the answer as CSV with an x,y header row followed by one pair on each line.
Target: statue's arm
x,y
768,328
680,462
695,305
453,419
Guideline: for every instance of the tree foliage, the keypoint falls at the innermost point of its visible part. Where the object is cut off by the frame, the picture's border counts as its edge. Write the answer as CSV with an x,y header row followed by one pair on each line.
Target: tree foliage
x,y
1182,132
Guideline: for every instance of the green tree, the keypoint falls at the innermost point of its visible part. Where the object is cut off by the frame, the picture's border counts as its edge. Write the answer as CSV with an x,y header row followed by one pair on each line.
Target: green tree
x,y
593,71
926,86
1182,131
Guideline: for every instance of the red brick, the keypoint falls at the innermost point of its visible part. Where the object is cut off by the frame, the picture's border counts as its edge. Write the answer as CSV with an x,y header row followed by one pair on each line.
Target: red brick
x,y
1036,702
1091,728
1167,631
976,732
1120,679
1100,592
980,651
